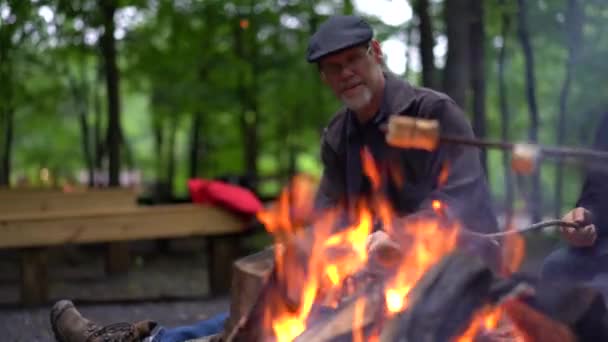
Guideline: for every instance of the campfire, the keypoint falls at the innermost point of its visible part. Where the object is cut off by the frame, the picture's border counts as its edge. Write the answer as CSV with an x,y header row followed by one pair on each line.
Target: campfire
x,y
321,284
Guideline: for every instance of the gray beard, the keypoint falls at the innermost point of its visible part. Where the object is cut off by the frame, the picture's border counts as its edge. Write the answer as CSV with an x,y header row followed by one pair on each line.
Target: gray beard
x,y
359,102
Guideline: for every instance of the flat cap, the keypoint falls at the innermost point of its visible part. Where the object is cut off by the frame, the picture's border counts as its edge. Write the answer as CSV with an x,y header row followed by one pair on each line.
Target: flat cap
x,y
338,33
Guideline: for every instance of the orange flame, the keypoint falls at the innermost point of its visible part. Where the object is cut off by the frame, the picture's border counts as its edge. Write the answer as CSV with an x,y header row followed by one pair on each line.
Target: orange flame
x,y
485,319
331,256
396,174
425,250
293,208
444,174
370,169
489,319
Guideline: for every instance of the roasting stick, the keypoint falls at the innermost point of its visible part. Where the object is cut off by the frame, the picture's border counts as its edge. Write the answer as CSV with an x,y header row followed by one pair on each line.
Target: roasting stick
x,y
409,132
535,226
416,133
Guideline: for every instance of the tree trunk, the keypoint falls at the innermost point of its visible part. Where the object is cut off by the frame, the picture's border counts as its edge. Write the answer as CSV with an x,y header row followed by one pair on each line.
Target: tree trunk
x,y
574,20
534,203
195,144
108,48
7,111
128,152
86,148
456,74
426,43
97,139
159,142
478,77
80,101
79,86
251,142
171,155
248,96
409,33
8,131
505,115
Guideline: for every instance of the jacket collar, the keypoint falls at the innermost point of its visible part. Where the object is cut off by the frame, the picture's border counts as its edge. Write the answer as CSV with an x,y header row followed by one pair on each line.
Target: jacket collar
x,y
398,95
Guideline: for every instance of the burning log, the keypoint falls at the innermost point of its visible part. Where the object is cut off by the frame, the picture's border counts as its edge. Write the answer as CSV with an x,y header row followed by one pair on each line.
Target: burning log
x,y
249,322
354,321
440,308
536,326
323,283
443,302
249,275
570,313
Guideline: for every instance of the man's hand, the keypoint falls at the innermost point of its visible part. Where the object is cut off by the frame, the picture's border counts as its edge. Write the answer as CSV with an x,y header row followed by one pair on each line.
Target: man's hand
x,y
382,249
585,235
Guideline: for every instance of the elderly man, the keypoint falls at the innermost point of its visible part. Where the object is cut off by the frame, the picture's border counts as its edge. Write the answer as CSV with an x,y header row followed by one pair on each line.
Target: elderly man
x,y
350,62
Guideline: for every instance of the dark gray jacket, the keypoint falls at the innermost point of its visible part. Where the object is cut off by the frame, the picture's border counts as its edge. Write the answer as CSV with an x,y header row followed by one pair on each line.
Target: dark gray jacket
x,y
594,196
465,192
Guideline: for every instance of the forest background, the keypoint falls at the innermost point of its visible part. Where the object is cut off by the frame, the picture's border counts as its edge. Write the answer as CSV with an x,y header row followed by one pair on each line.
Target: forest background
x,y
155,92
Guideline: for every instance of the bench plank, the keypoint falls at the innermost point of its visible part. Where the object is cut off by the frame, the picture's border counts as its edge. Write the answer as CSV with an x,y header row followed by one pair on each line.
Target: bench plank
x,y
170,221
42,200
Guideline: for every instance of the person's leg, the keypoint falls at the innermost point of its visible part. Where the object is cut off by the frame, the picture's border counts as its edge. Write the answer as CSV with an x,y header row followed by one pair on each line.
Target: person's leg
x,y
211,326
70,326
572,265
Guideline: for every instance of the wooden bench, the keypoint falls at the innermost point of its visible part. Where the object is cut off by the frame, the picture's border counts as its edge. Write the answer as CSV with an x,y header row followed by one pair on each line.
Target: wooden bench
x,y
32,201
34,220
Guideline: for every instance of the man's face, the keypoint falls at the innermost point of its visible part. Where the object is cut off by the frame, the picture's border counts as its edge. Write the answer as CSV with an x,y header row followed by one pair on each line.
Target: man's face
x,y
353,74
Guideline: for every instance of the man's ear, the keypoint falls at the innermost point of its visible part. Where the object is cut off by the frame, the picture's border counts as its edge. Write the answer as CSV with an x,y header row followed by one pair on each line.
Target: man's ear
x,y
377,51
323,78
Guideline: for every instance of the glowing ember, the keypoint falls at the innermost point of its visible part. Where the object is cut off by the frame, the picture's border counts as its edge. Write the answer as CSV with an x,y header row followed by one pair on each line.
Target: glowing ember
x,y
395,301
332,274
436,205
487,320
288,328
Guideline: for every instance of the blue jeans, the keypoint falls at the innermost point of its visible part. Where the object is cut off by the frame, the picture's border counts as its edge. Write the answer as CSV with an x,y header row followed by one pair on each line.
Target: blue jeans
x,y
211,326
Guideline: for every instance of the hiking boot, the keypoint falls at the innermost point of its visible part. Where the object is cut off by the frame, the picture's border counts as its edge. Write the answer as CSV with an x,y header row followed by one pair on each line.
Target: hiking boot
x,y
70,326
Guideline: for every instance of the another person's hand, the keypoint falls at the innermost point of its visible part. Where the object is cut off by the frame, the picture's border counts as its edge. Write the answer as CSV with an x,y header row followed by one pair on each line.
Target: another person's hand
x,y
585,235
383,249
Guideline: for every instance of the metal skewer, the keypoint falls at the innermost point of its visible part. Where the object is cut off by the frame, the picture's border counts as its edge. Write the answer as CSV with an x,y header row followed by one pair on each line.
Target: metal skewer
x,y
425,134
545,150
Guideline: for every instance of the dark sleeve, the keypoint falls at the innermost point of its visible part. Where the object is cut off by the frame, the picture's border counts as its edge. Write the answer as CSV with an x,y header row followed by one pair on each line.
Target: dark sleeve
x,y
331,187
594,195
465,192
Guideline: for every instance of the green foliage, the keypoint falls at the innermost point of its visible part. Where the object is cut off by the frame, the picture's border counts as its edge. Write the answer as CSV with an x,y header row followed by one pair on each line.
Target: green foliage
x,y
239,63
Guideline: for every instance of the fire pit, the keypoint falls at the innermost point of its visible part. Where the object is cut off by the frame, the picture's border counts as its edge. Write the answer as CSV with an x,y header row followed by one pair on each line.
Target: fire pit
x,y
320,284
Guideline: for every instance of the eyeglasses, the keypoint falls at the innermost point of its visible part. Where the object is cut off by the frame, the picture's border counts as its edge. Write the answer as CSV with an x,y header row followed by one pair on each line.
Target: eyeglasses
x,y
333,70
